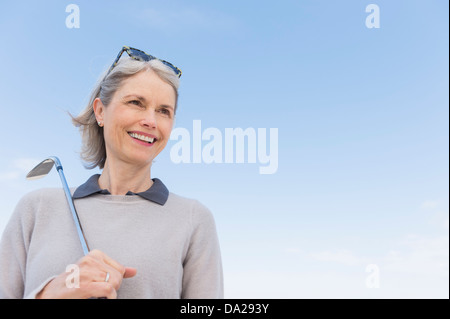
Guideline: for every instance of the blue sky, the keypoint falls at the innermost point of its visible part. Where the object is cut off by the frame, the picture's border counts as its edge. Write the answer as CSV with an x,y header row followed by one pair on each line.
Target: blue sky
x,y
362,119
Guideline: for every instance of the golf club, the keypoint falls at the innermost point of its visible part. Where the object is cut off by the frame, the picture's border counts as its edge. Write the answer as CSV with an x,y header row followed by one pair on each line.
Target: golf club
x,y
41,170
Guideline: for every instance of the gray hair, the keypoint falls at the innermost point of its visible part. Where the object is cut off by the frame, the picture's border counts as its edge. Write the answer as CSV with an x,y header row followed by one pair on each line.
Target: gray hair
x,y
93,151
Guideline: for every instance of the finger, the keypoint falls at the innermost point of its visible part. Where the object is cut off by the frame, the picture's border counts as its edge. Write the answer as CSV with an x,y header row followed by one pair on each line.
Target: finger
x,y
126,272
93,269
129,272
108,260
106,273
115,278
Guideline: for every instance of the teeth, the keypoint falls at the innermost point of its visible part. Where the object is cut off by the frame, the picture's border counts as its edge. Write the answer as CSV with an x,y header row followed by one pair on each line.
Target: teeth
x,y
142,137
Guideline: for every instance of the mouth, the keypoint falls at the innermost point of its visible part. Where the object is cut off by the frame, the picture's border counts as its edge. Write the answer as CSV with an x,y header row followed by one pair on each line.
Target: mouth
x,y
143,138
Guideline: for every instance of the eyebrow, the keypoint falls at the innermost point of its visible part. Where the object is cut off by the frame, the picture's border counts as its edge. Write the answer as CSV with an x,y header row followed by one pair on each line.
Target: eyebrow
x,y
143,100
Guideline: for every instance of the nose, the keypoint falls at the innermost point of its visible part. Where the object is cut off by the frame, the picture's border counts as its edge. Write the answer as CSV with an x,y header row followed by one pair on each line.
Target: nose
x,y
149,120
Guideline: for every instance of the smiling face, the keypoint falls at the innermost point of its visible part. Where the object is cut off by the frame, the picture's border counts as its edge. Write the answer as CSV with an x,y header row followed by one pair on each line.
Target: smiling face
x,y
138,121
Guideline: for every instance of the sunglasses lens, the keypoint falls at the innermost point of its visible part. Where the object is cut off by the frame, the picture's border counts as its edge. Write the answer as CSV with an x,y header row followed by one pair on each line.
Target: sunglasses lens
x,y
142,56
177,72
139,55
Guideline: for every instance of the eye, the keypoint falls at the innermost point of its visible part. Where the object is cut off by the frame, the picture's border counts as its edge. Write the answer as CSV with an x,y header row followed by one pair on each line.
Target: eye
x,y
135,102
164,111
138,103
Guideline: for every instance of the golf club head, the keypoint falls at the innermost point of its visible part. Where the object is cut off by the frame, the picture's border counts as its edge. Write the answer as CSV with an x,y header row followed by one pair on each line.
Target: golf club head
x,y
43,168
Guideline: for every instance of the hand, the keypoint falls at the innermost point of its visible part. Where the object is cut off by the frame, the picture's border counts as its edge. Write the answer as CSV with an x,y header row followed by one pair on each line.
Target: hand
x,y
93,269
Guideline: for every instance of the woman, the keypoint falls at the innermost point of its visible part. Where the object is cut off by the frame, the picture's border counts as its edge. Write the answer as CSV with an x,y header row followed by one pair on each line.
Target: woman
x,y
146,242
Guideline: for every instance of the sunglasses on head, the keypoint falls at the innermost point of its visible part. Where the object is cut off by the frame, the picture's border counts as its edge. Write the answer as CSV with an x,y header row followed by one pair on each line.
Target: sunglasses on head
x,y
141,56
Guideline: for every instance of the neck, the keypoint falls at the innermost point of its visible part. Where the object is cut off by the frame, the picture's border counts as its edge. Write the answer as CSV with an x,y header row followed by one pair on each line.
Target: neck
x,y
119,178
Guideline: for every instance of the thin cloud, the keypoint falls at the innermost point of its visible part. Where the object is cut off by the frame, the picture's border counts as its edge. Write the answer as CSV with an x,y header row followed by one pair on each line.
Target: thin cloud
x,y
412,254
18,168
420,255
292,250
344,257
429,204
8,176
440,220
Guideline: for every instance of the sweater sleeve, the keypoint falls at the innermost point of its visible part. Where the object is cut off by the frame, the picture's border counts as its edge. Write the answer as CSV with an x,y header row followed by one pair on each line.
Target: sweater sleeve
x,y
13,251
14,246
202,268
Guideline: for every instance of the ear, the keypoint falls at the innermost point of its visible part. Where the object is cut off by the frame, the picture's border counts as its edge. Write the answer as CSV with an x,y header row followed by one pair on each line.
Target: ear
x,y
99,110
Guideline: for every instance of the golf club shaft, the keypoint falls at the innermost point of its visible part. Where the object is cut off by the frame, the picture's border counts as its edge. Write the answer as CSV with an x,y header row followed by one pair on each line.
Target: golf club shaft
x,y
72,209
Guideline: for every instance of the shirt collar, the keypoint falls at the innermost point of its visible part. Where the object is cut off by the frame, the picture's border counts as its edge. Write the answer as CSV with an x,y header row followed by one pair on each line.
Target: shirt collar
x,y
157,193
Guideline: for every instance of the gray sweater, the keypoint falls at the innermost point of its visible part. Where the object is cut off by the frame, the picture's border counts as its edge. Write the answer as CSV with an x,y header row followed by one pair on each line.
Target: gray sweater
x,y
173,246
